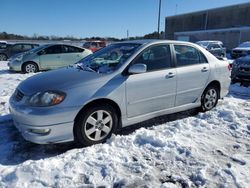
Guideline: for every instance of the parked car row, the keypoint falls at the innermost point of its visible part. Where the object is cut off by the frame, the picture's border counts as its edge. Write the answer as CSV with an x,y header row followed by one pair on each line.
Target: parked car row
x,y
117,86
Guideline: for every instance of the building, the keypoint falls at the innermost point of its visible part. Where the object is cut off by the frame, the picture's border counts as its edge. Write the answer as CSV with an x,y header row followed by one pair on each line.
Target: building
x,y
230,24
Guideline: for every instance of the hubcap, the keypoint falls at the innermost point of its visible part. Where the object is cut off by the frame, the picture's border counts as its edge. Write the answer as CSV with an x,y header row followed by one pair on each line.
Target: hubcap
x,y
2,57
98,125
30,68
210,99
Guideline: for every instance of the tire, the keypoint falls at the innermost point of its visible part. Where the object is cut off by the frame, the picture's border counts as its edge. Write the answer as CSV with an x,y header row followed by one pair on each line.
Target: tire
x,y
209,98
90,127
30,67
3,57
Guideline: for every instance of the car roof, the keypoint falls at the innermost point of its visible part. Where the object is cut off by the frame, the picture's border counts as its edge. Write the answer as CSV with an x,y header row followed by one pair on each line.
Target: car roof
x,y
155,41
210,41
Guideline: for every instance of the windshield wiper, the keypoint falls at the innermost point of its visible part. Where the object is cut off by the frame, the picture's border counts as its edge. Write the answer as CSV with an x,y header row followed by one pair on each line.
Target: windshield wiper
x,y
85,68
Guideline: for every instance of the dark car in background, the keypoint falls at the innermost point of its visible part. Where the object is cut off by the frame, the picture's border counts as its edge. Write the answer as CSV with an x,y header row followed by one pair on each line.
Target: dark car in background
x,y
241,71
14,49
94,45
242,50
3,44
214,47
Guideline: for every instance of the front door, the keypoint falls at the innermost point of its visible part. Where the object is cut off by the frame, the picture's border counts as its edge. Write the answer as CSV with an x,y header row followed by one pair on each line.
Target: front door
x,y
51,57
155,89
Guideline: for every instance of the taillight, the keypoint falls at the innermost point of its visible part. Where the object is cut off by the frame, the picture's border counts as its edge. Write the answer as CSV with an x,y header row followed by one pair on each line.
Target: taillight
x,y
230,66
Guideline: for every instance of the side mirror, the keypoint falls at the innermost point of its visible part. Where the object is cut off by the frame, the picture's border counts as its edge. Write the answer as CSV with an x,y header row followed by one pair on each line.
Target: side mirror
x,y
137,69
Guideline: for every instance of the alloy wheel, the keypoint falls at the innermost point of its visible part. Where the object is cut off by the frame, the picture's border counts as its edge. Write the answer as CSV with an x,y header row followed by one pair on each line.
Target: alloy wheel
x,y
98,125
210,99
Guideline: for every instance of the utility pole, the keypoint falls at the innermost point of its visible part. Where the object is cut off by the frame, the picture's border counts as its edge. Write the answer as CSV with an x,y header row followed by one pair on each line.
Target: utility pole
x,y
127,34
159,18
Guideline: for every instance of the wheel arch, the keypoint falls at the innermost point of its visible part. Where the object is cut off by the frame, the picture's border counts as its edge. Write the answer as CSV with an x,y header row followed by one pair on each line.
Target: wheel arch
x,y
215,83
101,101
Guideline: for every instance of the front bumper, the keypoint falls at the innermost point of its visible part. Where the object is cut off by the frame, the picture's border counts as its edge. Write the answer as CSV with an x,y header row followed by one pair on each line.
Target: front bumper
x,y
57,123
62,132
15,65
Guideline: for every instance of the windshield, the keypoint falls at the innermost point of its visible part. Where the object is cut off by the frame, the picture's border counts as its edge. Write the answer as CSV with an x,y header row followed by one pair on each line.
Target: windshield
x,y
245,45
108,59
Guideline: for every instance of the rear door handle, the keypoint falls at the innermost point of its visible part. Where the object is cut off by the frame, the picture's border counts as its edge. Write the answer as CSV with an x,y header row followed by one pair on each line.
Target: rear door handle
x,y
170,75
58,56
204,69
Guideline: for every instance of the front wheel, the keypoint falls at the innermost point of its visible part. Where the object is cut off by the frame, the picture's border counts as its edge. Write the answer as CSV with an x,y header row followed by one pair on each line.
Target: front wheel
x,y
30,67
3,57
95,125
209,98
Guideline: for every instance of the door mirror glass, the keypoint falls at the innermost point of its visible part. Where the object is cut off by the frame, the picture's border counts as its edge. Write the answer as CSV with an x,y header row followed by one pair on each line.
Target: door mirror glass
x,y
137,68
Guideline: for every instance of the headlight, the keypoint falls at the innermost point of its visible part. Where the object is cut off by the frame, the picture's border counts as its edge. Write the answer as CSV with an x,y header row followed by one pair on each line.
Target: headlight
x,y
47,98
19,58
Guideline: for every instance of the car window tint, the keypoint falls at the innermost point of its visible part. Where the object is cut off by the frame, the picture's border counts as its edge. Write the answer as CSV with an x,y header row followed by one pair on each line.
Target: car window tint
x,y
215,46
17,47
27,47
203,59
155,57
56,49
72,49
186,55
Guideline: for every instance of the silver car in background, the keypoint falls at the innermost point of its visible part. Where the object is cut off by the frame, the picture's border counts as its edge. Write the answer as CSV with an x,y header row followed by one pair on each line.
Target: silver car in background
x,y
119,85
47,57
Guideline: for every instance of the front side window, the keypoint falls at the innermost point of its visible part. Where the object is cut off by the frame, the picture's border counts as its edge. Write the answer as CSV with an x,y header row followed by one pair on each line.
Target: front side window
x,y
108,59
17,47
155,57
27,47
187,55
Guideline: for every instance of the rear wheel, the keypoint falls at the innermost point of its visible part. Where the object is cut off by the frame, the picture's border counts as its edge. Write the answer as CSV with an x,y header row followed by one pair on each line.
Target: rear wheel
x,y
3,57
30,67
209,98
95,125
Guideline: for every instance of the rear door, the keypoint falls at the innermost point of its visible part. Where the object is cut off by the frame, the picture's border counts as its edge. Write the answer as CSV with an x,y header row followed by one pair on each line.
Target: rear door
x,y
155,89
51,57
192,74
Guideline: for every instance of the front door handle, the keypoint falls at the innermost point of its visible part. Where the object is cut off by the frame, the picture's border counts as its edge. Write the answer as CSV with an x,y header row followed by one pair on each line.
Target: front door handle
x,y
170,75
58,56
204,69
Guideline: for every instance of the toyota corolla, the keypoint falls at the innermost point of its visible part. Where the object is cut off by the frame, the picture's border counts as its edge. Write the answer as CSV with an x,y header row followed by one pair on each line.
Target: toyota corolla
x,y
119,85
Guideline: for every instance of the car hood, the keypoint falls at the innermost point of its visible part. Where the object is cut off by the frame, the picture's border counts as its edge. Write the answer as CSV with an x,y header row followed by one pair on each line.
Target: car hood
x,y
60,79
242,49
244,60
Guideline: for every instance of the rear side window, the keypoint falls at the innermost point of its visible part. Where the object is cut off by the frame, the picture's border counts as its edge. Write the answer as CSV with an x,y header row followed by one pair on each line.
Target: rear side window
x,y
72,49
187,55
155,57
56,49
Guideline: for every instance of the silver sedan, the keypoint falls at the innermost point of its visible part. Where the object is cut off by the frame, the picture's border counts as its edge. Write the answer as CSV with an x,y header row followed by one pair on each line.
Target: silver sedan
x,y
119,85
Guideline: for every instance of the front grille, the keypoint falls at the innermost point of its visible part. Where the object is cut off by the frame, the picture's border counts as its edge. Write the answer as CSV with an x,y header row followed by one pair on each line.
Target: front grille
x,y
244,69
18,95
237,52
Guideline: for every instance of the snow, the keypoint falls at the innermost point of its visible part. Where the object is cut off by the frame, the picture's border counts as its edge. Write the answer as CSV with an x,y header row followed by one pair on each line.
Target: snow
x,y
186,149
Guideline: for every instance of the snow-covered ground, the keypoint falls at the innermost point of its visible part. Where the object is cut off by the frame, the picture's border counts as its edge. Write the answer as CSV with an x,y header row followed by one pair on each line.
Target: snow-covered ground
x,y
209,149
